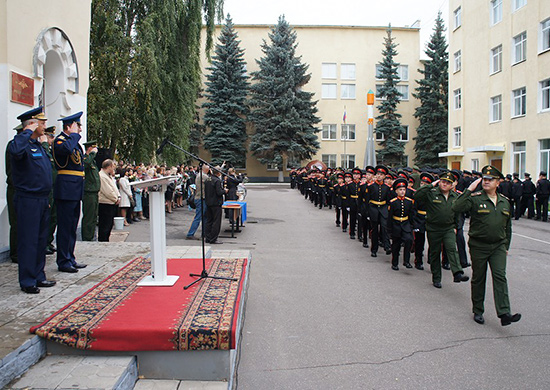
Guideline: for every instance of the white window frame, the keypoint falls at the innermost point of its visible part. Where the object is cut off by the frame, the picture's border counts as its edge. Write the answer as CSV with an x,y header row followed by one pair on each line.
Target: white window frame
x,y
401,70
347,88
331,129
522,99
544,156
521,155
496,11
495,104
458,61
457,17
405,132
518,4
496,60
475,164
272,167
379,137
519,42
347,129
345,159
544,36
329,160
544,95
457,137
457,98
324,92
376,72
331,75
343,75
403,89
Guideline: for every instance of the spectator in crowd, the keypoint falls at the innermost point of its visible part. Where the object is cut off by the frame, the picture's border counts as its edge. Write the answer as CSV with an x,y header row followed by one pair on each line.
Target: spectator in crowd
x,y
517,191
214,191
199,201
232,182
109,199
125,195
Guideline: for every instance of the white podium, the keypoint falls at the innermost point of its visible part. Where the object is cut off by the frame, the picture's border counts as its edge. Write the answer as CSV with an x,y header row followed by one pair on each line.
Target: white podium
x,y
157,219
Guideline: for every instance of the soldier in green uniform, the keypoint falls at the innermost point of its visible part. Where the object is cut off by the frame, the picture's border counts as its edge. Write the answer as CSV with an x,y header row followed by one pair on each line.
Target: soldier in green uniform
x,y
91,189
10,196
441,224
47,143
490,235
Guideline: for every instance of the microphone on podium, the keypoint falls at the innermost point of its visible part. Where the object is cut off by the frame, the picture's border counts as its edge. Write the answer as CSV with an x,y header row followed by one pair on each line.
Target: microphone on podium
x,y
162,145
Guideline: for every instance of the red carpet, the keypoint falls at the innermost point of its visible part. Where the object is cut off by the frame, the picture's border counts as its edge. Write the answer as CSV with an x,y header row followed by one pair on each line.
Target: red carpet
x,y
117,315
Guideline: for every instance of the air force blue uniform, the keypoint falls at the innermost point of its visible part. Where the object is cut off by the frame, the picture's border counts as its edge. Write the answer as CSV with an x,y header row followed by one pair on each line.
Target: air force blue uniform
x,y
68,191
32,178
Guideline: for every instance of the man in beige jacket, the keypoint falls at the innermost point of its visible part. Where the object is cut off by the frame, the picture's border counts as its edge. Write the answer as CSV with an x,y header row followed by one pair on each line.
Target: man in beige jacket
x,y
109,199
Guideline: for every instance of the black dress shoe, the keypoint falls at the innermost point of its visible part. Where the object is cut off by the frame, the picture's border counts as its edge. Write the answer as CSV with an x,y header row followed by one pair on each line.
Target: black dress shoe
x,y
437,284
352,237
365,244
507,319
360,239
344,230
408,265
466,265
388,251
70,269
460,277
80,266
479,318
30,290
395,267
419,267
46,283
373,254
446,266
49,251
337,224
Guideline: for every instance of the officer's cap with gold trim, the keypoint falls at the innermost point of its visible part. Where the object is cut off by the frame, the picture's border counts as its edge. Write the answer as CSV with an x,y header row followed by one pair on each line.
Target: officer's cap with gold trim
x,y
448,176
69,120
50,130
490,172
35,113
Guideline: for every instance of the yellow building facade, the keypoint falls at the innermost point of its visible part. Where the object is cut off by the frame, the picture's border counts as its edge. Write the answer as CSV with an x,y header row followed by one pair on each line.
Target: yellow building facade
x,y
499,85
44,60
343,65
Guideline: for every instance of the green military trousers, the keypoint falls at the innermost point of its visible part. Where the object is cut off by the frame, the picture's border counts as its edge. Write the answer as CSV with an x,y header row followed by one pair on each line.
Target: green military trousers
x,y
436,241
495,256
90,205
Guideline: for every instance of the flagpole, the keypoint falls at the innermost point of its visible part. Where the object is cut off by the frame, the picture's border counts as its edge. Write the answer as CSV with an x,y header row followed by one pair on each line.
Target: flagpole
x,y
346,167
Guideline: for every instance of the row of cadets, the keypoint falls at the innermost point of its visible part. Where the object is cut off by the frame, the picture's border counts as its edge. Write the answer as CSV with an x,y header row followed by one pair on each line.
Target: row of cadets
x,y
378,198
401,212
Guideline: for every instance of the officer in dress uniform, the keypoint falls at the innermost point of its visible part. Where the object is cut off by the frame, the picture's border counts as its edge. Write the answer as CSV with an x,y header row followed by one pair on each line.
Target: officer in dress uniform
x,y
10,196
92,184
31,174
47,145
490,235
322,190
379,196
401,211
68,190
419,225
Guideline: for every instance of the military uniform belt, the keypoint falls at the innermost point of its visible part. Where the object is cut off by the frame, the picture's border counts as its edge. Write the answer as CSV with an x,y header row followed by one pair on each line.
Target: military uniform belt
x,y
400,219
71,173
355,196
378,203
321,185
421,212
343,197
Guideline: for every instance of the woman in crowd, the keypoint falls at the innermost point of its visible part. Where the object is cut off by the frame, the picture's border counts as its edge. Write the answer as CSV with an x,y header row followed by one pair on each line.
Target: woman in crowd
x,y
125,195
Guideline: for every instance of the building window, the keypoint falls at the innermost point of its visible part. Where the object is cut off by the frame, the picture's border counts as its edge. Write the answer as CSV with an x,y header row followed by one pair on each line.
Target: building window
x,y
329,70
458,17
458,98
544,145
403,72
347,91
329,132
517,4
458,60
545,35
347,71
404,134
379,136
272,167
518,158
404,91
519,100
520,47
378,73
545,95
457,137
377,93
347,161
329,91
475,164
496,11
496,108
496,59
329,160
348,133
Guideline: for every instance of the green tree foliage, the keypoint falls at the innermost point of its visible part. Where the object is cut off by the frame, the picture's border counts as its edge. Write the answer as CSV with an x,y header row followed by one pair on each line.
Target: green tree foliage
x,y
432,91
225,106
282,113
145,73
387,122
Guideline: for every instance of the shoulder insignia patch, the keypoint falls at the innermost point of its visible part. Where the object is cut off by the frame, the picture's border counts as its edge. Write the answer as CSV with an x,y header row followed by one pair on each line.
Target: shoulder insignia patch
x,y
393,200
476,193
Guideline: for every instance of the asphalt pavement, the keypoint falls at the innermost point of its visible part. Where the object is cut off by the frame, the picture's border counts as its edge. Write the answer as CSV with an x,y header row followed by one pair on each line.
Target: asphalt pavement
x,y
323,314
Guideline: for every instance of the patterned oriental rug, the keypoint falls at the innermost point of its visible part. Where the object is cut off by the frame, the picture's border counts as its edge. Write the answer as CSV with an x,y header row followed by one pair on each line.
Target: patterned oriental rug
x,y
117,315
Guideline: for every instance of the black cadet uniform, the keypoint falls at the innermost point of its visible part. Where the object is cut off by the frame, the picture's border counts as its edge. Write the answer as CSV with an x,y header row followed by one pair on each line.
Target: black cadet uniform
x,y
345,196
401,211
379,196
543,193
338,199
364,224
353,203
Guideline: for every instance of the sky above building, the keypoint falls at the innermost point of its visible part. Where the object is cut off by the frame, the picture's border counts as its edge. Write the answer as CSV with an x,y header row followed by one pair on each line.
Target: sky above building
x,y
342,12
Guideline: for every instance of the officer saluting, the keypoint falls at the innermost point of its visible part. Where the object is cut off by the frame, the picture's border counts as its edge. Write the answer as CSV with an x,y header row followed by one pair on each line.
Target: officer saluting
x,y
68,190
490,234
32,178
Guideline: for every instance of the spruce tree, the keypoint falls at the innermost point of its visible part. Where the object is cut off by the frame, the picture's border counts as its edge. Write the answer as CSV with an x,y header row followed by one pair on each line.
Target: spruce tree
x,y
283,114
225,106
387,122
432,91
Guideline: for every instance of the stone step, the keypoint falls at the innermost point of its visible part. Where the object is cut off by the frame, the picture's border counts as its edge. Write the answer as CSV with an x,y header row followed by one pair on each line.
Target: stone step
x,y
160,384
80,372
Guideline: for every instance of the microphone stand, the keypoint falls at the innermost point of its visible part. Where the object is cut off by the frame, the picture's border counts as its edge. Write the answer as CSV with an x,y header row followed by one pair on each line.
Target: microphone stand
x,y
204,274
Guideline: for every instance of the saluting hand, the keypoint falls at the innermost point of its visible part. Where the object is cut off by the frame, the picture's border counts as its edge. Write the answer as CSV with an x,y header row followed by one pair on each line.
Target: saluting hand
x,y
435,183
474,184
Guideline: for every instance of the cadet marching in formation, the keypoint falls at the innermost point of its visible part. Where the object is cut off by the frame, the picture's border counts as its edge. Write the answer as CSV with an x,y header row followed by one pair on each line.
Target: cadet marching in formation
x,y
400,210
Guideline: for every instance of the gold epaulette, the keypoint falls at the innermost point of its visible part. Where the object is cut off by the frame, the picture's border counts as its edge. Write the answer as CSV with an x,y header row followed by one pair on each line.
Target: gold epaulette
x,y
476,193
393,200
